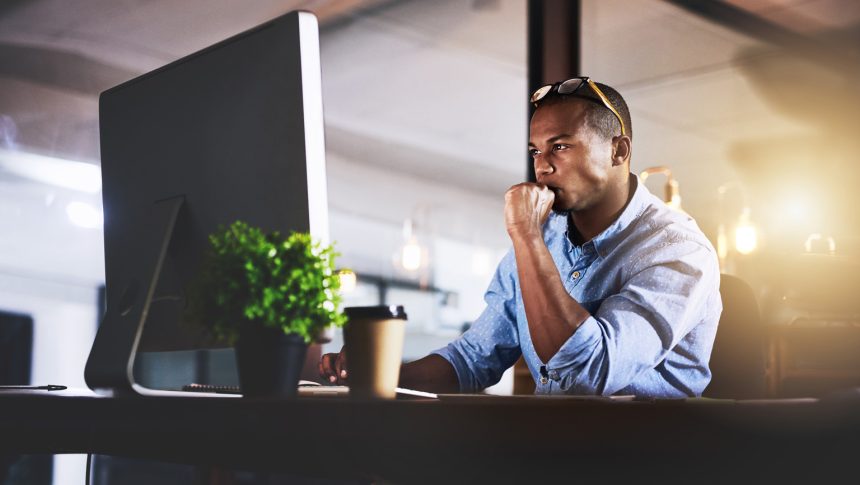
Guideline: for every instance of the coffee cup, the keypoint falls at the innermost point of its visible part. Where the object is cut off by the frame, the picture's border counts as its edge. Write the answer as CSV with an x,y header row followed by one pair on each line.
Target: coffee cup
x,y
373,336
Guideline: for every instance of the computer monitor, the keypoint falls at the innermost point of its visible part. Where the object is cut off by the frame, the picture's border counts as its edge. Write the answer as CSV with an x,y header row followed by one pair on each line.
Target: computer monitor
x,y
234,131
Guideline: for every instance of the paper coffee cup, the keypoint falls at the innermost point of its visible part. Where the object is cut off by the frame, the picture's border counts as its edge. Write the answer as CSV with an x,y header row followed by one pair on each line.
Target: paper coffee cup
x,y
373,336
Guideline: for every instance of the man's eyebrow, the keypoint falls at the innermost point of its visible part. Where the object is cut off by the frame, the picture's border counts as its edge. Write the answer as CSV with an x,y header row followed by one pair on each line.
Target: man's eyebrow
x,y
559,137
554,139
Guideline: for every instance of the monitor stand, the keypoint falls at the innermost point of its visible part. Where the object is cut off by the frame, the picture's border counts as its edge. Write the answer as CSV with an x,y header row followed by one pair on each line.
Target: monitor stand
x,y
109,366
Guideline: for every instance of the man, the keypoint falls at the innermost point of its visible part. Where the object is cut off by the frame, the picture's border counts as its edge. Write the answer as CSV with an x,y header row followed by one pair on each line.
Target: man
x,y
606,291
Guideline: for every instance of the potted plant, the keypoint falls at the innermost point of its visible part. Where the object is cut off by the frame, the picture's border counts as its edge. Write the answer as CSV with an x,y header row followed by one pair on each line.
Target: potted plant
x,y
270,297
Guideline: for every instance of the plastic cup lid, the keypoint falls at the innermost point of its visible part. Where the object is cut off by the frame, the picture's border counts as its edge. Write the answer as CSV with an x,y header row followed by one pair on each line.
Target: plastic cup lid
x,y
378,312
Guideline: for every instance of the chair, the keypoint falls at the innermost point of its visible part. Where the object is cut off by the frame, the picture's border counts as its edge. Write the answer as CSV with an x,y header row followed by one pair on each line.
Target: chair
x,y
813,325
737,360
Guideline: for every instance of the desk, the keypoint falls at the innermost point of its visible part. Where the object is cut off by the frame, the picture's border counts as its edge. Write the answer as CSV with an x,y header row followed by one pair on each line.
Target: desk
x,y
504,440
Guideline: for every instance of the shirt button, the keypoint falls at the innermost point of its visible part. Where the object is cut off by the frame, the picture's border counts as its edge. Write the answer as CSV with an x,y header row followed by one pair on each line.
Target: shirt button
x,y
576,275
543,380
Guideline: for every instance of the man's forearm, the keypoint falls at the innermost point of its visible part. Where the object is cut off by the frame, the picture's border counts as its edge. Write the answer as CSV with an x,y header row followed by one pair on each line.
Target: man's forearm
x,y
431,374
552,314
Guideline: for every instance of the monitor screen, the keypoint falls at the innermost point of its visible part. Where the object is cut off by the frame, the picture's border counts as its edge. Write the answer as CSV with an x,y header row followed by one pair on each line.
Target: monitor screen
x,y
236,132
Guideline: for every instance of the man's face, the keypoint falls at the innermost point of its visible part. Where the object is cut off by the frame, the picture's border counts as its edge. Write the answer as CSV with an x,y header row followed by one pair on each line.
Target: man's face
x,y
569,157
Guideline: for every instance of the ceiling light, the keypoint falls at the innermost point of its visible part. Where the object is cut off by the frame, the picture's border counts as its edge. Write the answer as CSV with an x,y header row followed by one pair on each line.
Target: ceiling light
x,y
410,256
746,237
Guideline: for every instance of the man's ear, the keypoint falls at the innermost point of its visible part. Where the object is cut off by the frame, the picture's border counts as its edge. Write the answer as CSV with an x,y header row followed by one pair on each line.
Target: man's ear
x,y
621,148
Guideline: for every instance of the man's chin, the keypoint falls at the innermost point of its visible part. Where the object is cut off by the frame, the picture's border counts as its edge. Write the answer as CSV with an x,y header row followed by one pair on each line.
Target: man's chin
x,y
562,206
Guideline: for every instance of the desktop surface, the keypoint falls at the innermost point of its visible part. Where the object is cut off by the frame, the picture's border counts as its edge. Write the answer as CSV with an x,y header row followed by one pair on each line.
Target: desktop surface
x,y
434,441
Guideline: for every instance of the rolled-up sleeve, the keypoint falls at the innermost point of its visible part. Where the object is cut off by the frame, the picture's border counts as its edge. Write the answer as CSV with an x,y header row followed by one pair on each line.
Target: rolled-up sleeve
x,y
491,345
634,329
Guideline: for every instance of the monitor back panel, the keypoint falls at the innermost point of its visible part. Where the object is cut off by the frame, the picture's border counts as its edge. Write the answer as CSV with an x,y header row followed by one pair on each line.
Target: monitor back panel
x,y
225,128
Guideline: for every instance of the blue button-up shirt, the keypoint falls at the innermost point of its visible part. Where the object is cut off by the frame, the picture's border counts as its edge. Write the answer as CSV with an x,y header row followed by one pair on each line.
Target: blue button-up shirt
x,y
651,284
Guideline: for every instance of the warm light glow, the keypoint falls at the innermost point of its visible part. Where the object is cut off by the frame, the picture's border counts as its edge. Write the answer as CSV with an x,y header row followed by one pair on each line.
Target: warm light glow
x,y
410,255
746,236
348,280
745,239
722,243
84,215
797,208
672,189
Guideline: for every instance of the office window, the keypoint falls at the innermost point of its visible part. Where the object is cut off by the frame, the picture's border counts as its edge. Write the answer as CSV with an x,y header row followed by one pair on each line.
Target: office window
x,y
748,103
426,129
750,120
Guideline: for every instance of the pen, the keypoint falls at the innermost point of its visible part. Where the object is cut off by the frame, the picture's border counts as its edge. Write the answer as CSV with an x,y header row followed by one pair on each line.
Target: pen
x,y
49,387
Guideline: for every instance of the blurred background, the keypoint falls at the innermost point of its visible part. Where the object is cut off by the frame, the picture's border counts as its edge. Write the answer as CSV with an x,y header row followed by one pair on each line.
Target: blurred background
x,y
744,110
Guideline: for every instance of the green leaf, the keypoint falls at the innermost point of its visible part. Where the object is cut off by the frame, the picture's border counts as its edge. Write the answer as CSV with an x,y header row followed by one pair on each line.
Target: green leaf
x,y
247,274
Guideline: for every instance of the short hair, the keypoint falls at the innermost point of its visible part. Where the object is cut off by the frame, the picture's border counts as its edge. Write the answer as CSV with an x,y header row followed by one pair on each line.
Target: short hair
x,y
598,116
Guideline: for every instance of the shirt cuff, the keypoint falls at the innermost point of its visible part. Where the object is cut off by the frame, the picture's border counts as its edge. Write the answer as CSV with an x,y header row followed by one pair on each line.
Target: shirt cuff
x,y
460,367
575,366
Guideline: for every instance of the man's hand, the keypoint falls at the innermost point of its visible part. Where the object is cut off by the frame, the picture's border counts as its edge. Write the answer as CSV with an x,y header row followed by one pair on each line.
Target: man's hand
x,y
431,373
527,207
332,368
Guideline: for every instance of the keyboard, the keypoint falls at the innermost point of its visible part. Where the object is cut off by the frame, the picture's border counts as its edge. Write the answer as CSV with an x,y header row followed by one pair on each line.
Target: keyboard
x,y
306,389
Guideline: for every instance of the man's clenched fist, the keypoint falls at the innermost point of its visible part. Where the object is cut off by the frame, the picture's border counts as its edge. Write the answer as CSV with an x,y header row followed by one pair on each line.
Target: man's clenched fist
x,y
527,207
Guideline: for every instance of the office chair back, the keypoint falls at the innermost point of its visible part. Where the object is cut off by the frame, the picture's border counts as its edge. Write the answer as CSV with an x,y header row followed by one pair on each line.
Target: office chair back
x,y
737,360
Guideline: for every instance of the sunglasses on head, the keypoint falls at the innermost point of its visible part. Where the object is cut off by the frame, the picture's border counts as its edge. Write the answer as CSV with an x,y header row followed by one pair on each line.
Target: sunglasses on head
x,y
571,86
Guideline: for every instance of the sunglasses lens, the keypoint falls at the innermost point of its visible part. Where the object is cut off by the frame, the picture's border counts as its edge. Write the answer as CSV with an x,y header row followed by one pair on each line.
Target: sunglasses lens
x,y
540,93
569,86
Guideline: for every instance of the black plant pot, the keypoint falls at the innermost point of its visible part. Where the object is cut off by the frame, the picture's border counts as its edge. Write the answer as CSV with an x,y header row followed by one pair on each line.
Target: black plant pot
x,y
269,361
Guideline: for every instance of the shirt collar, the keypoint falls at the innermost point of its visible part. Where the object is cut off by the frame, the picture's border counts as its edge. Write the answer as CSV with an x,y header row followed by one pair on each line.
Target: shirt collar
x,y
607,240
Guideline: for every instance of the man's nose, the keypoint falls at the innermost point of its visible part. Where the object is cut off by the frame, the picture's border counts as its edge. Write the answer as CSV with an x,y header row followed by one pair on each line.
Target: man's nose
x,y
542,167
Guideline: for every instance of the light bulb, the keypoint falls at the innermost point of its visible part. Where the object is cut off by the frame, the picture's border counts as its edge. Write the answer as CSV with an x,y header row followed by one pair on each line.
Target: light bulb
x,y
410,256
348,280
746,237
